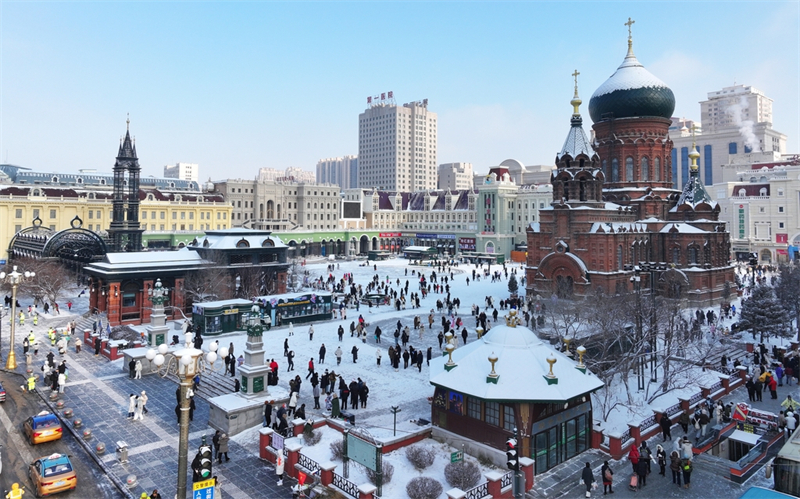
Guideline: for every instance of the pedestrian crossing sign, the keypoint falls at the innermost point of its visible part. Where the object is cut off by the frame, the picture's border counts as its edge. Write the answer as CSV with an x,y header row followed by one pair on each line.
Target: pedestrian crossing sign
x,y
203,489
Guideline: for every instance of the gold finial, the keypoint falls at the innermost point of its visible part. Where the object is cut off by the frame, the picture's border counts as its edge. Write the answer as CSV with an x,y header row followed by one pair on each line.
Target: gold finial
x,y
630,35
581,352
576,101
694,154
493,360
551,360
449,348
128,122
511,319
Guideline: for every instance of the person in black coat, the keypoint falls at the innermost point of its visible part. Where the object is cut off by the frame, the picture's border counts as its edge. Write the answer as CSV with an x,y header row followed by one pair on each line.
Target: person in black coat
x,y
267,413
354,351
666,427
641,470
588,478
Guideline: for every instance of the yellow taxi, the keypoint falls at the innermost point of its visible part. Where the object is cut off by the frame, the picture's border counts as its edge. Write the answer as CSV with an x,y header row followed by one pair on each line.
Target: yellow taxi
x,y
52,474
44,427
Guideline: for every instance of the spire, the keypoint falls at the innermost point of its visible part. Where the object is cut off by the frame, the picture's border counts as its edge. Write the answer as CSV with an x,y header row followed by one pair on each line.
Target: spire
x,y
576,101
694,155
127,149
629,24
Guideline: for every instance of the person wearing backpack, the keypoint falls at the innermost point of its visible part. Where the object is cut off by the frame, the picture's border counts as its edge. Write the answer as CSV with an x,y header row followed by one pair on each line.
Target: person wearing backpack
x,y
608,477
687,472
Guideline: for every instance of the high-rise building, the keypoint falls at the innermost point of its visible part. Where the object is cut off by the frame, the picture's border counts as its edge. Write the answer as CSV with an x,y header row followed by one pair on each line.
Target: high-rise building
x,y
734,121
397,146
342,171
183,171
455,176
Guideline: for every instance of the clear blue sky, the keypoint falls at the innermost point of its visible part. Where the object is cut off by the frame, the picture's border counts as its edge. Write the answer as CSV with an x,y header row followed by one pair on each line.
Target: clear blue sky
x,y
238,86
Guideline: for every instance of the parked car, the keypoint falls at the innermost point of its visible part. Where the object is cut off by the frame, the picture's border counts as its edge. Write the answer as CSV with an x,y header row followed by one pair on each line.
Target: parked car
x,y
52,474
44,427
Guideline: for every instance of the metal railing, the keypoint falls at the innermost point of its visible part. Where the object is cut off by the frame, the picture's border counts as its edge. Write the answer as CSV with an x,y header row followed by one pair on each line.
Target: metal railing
x,y
715,387
477,492
345,485
507,480
697,397
626,435
647,423
673,410
308,463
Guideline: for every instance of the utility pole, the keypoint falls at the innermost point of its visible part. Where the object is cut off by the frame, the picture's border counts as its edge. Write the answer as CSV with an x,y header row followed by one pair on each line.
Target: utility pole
x,y
395,409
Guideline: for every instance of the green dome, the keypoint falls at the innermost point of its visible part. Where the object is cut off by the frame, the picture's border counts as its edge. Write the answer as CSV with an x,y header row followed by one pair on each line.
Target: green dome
x,y
631,92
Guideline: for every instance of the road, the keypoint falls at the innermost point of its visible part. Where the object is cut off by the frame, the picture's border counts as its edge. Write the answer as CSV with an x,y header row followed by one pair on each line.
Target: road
x,y
18,452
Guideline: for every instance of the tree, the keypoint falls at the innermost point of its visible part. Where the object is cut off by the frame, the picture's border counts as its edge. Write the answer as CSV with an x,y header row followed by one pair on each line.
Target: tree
x,y
51,280
513,286
788,291
763,314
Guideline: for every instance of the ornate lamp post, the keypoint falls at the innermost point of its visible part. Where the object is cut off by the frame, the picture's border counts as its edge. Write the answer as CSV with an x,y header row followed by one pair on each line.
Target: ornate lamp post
x,y
254,370
14,278
157,330
185,363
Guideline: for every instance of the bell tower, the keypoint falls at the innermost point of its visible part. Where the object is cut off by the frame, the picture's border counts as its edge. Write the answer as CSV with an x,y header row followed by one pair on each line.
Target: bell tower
x,y
124,232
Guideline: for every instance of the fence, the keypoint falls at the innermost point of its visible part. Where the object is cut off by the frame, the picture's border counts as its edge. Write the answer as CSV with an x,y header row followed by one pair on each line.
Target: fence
x,y
647,423
673,410
626,435
478,492
715,387
697,397
307,463
507,480
345,485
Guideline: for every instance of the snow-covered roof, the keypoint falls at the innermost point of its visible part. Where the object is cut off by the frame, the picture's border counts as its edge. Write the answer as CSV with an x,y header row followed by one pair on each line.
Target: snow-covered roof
x,y
617,227
631,74
236,302
417,248
576,143
146,261
521,366
682,228
232,238
152,257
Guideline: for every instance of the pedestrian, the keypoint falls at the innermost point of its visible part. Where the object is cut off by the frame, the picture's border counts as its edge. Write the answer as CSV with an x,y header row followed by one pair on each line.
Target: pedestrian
x,y
236,385
633,457
132,368
688,448
645,455
675,467
97,344
155,494
143,397
588,479
131,405
222,448
641,471
322,351
310,368
316,393
666,427
378,355
292,403
311,333
363,394
608,478
290,360
661,458
354,351
138,370
291,328
279,464
62,381
267,412
138,414
215,443
338,353
687,472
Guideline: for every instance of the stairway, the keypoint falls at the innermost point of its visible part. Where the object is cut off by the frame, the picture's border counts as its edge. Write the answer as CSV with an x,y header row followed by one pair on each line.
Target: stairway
x,y
715,465
212,383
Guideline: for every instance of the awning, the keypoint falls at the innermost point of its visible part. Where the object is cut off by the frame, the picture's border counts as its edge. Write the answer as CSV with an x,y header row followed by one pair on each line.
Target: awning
x,y
744,437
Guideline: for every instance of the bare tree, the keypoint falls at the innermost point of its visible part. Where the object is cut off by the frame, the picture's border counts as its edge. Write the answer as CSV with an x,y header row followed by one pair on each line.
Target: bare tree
x,y
566,317
209,283
51,281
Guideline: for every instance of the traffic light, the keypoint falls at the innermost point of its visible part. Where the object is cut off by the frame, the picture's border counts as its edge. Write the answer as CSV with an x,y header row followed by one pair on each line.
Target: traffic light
x,y
206,459
512,457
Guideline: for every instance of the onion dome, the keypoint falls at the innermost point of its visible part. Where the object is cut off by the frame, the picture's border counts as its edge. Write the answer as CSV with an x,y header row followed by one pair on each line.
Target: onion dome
x,y
631,92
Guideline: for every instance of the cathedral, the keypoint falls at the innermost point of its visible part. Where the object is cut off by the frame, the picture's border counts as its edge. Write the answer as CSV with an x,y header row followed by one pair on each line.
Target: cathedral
x,y
615,217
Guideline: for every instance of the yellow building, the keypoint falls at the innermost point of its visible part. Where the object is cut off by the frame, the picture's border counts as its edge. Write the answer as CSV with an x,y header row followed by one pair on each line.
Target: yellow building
x,y
169,219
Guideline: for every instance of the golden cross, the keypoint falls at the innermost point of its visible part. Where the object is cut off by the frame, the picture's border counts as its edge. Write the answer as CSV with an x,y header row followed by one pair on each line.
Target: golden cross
x,y
694,127
629,24
575,75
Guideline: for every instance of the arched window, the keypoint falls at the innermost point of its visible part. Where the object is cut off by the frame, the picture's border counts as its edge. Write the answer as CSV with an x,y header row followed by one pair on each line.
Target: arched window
x,y
629,169
693,255
676,255
645,169
614,170
657,169
619,257
605,169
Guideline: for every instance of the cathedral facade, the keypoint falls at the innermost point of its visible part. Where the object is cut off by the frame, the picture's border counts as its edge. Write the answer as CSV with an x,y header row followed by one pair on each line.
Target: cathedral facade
x,y
615,215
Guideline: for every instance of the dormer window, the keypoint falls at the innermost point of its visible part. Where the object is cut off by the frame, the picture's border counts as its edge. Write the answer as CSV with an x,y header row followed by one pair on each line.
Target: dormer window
x,y
55,179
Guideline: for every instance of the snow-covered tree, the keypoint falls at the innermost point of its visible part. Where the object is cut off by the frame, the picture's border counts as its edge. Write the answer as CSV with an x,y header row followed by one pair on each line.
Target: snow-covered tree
x,y
763,314
513,286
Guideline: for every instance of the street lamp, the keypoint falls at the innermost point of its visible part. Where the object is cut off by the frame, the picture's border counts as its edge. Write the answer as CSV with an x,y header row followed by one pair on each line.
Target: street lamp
x,y
184,363
636,279
14,278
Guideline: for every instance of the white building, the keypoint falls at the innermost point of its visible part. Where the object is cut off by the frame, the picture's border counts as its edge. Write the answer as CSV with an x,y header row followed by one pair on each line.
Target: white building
x,y
183,171
734,121
291,174
342,171
397,146
455,176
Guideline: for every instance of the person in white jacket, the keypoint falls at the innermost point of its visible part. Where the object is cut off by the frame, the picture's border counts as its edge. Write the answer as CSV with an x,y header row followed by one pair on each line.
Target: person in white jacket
x,y
279,466
138,370
378,355
292,404
131,406
62,381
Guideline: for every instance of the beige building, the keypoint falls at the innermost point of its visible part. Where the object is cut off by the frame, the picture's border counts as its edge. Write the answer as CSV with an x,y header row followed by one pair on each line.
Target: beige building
x,y
281,205
397,147
760,204
455,176
290,174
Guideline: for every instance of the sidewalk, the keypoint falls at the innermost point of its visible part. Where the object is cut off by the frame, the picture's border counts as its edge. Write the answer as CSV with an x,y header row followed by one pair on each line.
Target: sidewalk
x,y
97,390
